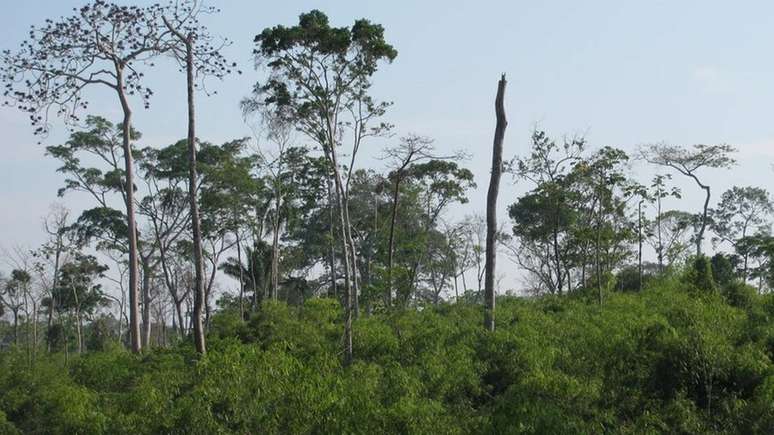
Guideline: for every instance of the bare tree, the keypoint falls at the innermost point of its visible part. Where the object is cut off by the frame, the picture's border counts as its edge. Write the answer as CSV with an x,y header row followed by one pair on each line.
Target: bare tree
x,y
50,256
101,44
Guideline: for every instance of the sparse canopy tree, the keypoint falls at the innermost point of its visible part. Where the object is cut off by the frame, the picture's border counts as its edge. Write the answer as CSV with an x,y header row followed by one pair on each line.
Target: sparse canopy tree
x,y
658,192
742,211
101,44
51,255
670,236
412,149
688,162
200,56
320,80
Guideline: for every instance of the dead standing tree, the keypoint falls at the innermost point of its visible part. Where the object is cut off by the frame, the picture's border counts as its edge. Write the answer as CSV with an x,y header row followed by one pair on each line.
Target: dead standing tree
x,y
103,44
491,206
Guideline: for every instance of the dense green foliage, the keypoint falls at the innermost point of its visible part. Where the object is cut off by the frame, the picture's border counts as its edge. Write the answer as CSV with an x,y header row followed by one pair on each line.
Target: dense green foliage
x,y
673,358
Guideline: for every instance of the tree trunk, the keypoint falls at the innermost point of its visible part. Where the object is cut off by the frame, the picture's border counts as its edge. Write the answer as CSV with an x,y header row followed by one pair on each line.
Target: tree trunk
x,y
134,272
54,284
332,251
354,298
660,242
275,243
639,242
241,277
199,296
700,236
348,289
16,326
491,206
146,302
391,243
79,329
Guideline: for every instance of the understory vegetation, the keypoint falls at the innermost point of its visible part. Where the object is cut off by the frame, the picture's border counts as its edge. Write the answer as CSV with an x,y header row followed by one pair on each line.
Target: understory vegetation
x,y
675,357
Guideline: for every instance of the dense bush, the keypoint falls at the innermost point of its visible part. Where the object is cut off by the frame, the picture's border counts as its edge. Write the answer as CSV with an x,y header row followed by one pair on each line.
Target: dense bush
x,y
668,359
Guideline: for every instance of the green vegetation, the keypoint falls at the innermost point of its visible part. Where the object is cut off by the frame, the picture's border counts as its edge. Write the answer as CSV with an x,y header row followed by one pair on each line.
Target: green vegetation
x,y
672,358
276,284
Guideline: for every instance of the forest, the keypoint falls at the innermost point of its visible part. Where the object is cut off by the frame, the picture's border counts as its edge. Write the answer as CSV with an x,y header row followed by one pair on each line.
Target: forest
x,y
280,283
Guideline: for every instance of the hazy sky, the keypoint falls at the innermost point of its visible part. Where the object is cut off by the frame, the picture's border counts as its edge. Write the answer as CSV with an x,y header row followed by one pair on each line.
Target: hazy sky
x,y
622,73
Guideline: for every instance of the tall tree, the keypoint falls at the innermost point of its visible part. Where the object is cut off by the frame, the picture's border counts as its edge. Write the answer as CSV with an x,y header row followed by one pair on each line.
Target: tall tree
x,y
688,162
195,50
491,206
102,44
320,80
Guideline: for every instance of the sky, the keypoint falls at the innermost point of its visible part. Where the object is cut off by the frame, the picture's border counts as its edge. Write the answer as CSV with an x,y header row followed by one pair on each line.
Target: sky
x,y
620,73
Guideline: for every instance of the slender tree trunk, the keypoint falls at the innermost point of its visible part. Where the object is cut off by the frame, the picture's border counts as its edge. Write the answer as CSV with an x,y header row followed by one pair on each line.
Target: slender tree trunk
x,y
78,327
391,243
54,284
639,242
491,206
332,250
348,288
557,255
275,241
355,299
180,320
241,277
16,326
34,330
79,330
597,251
146,302
660,241
700,236
134,269
199,296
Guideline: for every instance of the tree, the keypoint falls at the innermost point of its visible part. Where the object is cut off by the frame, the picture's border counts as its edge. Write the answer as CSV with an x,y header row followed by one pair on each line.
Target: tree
x,y
320,76
688,162
78,293
50,256
659,191
759,248
543,217
102,44
741,211
12,296
412,148
670,236
437,184
491,206
193,48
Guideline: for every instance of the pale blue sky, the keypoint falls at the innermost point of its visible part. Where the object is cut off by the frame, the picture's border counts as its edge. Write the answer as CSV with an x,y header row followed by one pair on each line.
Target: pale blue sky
x,y
621,72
